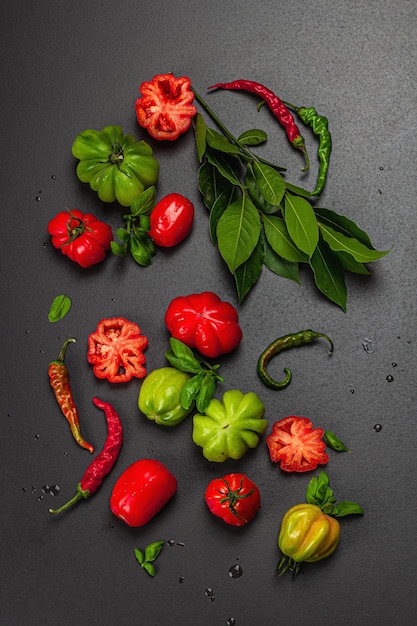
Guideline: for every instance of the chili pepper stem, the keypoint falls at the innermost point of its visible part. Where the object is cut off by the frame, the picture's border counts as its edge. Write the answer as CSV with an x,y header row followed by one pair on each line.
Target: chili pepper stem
x,y
80,494
61,355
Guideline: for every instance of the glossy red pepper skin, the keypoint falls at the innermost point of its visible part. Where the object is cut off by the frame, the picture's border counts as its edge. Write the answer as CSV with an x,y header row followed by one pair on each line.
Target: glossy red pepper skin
x,y
102,465
205,322
171,220
80,236
141,491
234,498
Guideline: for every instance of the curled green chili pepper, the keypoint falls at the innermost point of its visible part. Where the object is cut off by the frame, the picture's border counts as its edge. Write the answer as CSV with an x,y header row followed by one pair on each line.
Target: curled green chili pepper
x,y
283,343
320,127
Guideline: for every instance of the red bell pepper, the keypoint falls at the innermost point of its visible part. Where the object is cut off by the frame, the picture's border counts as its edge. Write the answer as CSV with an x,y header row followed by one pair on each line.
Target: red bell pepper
x,y
203,321
115,350
165,108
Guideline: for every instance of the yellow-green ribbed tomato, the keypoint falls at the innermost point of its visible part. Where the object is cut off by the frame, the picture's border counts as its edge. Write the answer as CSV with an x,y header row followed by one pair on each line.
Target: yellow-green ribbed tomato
x,y
160,396
115,165
306,535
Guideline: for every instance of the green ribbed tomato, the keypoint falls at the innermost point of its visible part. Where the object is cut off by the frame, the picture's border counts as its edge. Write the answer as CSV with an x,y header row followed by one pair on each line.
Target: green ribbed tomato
x,y
115,165
160,396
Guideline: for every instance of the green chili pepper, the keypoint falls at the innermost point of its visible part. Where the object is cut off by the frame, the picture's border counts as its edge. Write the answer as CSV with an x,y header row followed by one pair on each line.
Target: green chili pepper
x,y
283,343
333,441
320,127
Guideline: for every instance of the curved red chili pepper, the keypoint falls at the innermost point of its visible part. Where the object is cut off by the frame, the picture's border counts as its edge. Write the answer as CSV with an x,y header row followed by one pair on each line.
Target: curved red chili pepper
x,y
277,107
103,463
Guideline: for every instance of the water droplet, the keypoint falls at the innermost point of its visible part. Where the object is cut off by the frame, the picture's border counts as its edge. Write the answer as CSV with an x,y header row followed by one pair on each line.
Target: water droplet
x,y
394,364
181,579
378,428
65,454
23,489
53,177
171,542
235,571
381,168
368,345
180,543
113,299
27,332
380,192
352,391
37,436
41,351
231,621
389,378
210,594
46,244
33,490
40,498
38,198
53,490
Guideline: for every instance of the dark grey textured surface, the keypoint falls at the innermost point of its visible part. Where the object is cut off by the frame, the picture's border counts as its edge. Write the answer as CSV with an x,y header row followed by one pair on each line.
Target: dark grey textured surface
x,y
75,65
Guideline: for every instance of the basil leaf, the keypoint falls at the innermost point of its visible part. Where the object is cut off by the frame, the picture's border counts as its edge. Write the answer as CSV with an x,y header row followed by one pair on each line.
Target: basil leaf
x,y
301,223
278,238
122,234
59,308
118,249
280,266
139,556
144,203
270,182
149,568
219,142
206,392
153,550
329,275
238,232
139,252
340,242
190,390
253,137
200,136
347,508
248,273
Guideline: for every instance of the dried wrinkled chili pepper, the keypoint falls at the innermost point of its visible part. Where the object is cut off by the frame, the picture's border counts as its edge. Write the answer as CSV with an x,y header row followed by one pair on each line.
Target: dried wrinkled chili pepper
x,y
59,380
104,461
320,127
277,107
283,343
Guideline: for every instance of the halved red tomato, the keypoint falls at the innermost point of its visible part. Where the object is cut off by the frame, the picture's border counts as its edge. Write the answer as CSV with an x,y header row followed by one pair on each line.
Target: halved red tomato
x,y
296,445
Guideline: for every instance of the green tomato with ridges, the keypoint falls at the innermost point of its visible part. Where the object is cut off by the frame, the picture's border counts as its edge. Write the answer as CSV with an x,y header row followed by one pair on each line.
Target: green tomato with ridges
x,y
160,396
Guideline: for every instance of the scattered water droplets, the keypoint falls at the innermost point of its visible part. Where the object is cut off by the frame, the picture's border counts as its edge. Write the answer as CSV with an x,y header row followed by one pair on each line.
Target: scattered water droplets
x,y
53,490
368,345
389,378
231,621
210,594
181,579
235,571
378,428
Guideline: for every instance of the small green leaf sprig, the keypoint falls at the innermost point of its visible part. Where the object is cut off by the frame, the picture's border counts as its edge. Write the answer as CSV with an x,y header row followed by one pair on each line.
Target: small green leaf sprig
x,y
200,388
146,558
134,237
257,218
318,492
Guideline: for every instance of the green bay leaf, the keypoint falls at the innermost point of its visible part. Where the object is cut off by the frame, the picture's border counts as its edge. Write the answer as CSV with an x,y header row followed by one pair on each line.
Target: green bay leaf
x,y
248,273
339,242
301,223
238,232
278,238
270,182
329,275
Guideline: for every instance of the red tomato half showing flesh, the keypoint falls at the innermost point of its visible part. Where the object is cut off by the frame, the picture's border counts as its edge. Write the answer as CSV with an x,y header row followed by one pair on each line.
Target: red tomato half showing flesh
x,y
296,445
171,220
141,491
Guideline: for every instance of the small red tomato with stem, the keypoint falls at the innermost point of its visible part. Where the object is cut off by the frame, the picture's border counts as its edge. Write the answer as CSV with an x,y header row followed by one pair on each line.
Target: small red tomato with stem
x,y
80,236
234,498
171,220
141,491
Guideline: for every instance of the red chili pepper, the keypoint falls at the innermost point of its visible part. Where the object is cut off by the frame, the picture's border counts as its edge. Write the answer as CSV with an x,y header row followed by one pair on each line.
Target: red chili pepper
x,y
59,380
103,463
277,107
